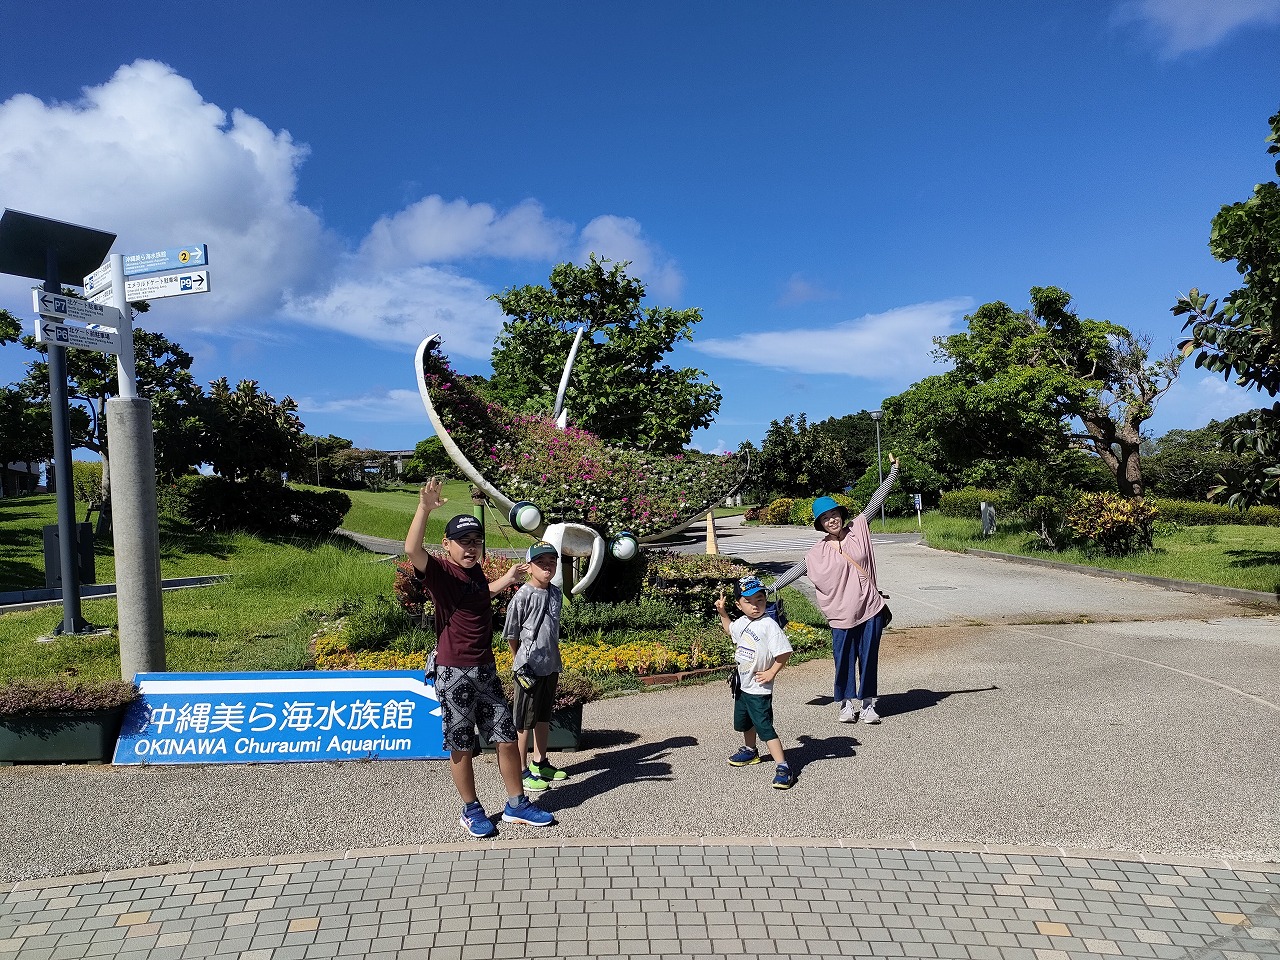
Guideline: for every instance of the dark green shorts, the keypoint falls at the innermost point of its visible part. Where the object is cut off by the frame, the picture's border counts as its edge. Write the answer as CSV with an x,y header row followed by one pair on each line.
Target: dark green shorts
x,y
754,710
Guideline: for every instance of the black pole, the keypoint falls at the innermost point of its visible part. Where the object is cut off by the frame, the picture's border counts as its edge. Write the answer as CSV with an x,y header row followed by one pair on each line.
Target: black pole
x,y
71,620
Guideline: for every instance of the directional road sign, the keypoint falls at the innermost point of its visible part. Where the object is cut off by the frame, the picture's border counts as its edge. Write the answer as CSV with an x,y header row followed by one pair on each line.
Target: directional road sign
x,y
179,258
158,287
98,281
73,308
80,338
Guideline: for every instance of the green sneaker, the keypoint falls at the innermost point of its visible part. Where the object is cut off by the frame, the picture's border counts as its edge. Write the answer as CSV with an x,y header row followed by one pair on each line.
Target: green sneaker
x,y
533,783
547,770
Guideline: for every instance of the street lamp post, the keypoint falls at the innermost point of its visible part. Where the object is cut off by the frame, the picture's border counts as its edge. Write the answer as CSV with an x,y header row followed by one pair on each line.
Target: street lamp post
x,y
317,439
877,415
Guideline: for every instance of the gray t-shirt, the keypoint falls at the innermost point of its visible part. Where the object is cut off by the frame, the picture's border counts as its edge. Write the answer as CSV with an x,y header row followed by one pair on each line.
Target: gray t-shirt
x,y
533,619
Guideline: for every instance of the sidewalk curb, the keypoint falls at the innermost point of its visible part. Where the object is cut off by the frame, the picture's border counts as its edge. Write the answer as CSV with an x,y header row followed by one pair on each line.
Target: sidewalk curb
x,y
31,599
1184,586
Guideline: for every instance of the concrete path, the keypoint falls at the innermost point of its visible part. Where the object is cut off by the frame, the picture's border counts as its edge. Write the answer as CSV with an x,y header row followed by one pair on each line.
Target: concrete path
x,y
1067,767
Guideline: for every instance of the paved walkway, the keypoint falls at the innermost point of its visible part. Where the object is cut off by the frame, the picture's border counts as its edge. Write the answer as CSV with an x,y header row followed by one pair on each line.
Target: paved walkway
x,y
1068,767
724,899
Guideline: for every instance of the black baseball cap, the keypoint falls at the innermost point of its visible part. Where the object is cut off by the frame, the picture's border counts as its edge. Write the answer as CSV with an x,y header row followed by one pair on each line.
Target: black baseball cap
x,y
462,523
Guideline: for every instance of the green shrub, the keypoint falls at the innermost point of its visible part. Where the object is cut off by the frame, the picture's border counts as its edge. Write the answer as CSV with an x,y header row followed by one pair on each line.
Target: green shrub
x,y
25,697
777,512
913,477
1194,513
383,625
967,502
582,617
255,506
86,480
690,581
1116,525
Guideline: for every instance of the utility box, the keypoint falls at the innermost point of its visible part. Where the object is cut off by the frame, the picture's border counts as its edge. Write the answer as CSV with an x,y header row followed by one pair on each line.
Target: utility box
x,y
53,555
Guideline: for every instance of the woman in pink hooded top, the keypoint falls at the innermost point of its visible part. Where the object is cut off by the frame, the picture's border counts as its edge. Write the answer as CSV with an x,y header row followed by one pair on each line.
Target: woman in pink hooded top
x,y
842,568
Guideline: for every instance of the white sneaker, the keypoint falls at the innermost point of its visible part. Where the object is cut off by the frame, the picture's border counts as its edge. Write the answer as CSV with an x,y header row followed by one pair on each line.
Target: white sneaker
x,y
849,712
869,714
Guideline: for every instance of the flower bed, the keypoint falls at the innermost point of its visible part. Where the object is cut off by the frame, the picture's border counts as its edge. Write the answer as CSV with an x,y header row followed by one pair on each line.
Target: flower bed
x,y
572,474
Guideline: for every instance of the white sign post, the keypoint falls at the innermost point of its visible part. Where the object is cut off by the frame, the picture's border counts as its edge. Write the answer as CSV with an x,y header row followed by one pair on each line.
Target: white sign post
x,y
156,287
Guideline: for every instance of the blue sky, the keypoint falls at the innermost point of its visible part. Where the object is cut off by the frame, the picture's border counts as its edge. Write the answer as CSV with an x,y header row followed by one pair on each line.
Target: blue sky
x,y
833,184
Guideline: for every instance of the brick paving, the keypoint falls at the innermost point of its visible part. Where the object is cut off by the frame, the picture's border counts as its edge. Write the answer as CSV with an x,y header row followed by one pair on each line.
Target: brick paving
x,y
724,898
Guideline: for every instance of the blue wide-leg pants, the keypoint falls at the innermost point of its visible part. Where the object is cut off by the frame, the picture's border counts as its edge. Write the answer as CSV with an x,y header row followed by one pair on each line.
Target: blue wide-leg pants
x,y
857,651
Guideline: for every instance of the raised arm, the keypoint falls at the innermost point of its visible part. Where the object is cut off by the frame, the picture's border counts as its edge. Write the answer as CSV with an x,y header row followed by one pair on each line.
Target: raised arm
x,y
791,576
877,498
428,500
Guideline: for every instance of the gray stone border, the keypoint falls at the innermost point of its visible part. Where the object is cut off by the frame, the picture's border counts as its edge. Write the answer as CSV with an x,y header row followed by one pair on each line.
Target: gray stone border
x,y
1185,586
16,600
1007,850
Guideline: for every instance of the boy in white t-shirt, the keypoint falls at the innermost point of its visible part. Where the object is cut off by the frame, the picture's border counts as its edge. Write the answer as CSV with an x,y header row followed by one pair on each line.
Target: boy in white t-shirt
x,y
762,651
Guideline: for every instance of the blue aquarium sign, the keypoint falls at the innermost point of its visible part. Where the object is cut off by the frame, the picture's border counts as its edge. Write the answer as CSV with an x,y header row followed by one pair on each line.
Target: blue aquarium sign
x,y
282,717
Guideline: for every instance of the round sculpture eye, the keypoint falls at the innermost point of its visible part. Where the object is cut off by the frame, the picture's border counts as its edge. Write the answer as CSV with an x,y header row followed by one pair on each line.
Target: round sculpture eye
x,y
624,546
525,516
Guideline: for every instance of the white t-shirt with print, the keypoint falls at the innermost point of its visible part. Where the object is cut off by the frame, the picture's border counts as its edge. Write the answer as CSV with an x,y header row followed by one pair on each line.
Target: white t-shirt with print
x,y
759,644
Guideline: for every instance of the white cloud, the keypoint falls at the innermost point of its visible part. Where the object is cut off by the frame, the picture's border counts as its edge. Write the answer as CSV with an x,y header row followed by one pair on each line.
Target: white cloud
x,y
1181,26
434,230
1199,396
894,345
404,307
619,239
392,406
801,290
144,156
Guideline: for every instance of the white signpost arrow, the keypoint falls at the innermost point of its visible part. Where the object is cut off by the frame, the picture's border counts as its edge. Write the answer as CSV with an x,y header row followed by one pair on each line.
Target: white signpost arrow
x,y
60,307
156,287
79,338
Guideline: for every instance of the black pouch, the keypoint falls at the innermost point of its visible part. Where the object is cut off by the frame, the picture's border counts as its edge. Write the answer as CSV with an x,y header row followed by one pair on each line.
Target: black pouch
x,y
735,681
524,678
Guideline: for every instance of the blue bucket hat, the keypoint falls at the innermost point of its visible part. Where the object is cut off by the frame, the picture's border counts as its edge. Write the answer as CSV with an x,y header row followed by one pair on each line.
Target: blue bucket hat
x,y
826,505
748,587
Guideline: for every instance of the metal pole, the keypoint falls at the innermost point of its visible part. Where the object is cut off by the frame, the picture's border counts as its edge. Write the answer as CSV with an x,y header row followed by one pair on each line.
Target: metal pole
x,y
879,463
317,461
67,542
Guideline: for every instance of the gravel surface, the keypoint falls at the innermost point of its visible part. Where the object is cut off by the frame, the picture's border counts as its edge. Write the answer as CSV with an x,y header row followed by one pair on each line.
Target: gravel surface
x,y
1006,720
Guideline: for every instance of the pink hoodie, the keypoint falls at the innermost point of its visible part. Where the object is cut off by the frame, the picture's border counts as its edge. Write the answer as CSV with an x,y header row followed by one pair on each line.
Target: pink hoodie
x,y
847,596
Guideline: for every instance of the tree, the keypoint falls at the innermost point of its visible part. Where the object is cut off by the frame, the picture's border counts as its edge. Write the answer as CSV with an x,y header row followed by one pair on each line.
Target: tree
x,y
1241,338
1021,381
1186,464
429,460
620,389
247,432
797,459
25,430
163,377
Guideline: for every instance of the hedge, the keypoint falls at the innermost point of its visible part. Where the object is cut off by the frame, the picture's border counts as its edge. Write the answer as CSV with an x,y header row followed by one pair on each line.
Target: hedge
x,y
257,506
967,502
1203,514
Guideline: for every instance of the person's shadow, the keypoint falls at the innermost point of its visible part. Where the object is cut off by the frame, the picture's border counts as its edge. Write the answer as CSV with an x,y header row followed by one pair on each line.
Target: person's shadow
x,y
612,768
815,749
894,704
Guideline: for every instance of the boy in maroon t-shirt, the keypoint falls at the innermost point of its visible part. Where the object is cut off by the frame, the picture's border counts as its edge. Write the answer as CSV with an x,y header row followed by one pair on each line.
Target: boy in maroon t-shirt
x,y
467,681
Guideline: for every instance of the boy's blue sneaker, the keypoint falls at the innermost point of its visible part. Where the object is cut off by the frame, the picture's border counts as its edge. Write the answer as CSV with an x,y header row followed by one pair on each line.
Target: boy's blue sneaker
x,y
547,770
531,781
744,757
783,779
523,810
476,821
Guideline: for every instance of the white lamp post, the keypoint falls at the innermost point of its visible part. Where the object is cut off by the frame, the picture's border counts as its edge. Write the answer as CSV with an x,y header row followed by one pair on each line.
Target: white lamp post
x,y
877,415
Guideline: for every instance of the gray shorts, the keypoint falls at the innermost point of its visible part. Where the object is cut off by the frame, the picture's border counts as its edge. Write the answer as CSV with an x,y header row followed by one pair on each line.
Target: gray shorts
x,y
534,706
473,697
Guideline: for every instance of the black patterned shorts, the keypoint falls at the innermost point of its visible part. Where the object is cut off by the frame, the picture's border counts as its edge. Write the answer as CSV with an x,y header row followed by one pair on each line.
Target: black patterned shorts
x,y
472,697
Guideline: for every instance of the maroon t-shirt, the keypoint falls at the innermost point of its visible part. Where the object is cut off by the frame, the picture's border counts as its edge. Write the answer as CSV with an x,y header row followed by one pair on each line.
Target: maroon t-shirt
x,y
461,598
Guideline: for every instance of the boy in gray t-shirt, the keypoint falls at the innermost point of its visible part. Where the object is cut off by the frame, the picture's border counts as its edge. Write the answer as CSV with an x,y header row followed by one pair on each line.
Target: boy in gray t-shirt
x,y
532,629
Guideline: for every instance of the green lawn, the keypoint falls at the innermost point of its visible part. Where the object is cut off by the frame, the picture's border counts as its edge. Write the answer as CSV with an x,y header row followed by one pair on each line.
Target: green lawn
x,y
1245,557
263,618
